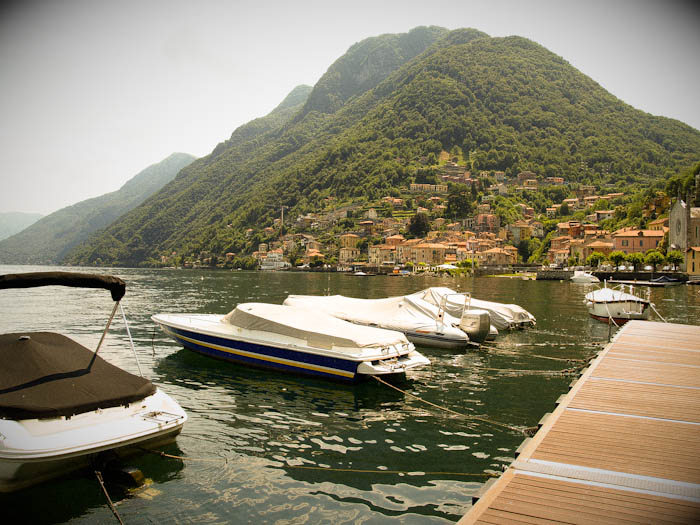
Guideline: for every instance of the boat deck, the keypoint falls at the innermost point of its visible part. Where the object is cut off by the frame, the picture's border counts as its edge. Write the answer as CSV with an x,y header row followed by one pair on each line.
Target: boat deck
x,y
621,446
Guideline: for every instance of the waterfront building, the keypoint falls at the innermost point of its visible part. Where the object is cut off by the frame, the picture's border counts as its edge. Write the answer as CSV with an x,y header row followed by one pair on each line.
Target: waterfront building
x,y
692,261
631,241
684,225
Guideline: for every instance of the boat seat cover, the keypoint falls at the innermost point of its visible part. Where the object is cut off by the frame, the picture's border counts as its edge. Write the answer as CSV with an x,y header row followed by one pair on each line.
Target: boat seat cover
x,y
316,328
50,375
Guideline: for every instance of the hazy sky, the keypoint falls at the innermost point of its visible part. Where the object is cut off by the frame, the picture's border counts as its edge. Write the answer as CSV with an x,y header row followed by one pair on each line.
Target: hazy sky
x,y
94,91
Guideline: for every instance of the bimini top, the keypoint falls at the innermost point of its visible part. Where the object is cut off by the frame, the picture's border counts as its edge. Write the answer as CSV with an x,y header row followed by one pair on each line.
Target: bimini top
x,y
44,374
317,328
115,285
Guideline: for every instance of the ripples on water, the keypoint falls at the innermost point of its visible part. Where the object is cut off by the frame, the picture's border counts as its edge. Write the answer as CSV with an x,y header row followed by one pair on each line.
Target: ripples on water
x,y
266,447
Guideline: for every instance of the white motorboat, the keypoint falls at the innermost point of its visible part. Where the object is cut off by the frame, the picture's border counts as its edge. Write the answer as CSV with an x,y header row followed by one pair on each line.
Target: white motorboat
x,y
62,405
422,323
503,316
582,277
616,305
294,339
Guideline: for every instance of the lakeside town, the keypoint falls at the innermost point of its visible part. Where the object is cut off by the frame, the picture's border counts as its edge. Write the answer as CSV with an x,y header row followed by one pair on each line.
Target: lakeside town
x,y
411,234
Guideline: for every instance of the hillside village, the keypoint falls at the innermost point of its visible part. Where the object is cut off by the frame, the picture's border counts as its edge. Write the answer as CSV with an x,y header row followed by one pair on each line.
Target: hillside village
x,y
411,232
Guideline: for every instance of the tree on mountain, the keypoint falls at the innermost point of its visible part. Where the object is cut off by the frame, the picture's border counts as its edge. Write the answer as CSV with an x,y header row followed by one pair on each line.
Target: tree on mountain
x,y
459,202
419,225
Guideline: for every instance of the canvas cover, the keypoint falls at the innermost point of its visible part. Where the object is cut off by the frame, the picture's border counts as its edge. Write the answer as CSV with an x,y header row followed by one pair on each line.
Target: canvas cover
x,y
610,295
115,285
400,313
50,375
502,315
317,328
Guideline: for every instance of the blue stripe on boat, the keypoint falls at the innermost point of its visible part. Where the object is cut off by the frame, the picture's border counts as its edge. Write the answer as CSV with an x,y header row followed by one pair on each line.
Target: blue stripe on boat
x,y
265,356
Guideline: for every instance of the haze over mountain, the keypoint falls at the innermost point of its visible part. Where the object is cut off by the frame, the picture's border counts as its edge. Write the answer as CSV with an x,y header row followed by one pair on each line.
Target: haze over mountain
x,y
49,239
15,222
366,128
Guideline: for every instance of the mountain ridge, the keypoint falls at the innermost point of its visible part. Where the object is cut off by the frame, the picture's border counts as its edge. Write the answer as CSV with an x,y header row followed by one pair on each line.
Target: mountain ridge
x,y
508,103
49,239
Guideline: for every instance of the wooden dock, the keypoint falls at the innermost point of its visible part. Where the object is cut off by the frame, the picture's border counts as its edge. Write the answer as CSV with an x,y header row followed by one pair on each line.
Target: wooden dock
x,y
621,447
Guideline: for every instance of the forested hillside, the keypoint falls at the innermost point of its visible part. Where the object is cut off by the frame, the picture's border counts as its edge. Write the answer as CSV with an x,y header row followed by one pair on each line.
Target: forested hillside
x,y
49,239
373,123
15,222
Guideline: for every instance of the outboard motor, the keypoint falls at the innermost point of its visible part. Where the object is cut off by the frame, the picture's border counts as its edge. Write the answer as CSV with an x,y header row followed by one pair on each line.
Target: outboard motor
x,y
476,324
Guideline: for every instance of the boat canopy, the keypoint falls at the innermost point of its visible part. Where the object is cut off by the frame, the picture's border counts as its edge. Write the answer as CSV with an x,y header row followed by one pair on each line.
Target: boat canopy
x,y
44,374
317,328
115,285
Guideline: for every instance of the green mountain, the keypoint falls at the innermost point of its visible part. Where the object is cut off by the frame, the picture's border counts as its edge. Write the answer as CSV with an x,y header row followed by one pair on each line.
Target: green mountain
x,y
49,239
374,120
15,222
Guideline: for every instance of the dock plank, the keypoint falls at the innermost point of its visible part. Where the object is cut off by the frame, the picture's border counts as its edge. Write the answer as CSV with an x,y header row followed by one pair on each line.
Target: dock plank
x,y
621,446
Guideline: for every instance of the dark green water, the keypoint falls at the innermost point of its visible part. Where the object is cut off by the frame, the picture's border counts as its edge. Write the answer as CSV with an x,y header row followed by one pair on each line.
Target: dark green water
x,y
265,447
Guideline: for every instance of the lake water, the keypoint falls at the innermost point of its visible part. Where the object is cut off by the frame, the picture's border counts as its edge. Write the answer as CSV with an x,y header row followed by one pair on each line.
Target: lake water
x,y
265,447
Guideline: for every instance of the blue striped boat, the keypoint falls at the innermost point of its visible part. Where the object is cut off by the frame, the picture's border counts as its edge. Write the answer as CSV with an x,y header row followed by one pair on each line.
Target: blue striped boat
x,y
294,339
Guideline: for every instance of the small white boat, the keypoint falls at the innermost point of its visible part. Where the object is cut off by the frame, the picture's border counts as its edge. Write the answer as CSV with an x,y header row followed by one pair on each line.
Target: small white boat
x,y
294,339
503,316
606,304
62,406
582,277
422,323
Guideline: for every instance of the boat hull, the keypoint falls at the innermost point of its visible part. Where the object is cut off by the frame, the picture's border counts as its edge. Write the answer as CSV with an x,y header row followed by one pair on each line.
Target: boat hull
x,y
37,450
286,359
619,312
434,339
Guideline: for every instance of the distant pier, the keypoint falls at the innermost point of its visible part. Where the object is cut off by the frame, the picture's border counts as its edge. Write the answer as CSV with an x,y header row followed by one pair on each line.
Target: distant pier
x,y
621,447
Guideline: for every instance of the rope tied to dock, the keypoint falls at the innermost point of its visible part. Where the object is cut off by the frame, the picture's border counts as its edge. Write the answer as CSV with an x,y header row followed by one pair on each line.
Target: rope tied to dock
x,y
458,414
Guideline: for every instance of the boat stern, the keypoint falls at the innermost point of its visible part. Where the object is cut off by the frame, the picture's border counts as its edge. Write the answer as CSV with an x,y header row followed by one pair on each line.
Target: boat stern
x,y
394,365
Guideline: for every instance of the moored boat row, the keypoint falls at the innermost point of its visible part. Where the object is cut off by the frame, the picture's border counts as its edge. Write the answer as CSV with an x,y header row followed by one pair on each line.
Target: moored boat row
x,y
64,414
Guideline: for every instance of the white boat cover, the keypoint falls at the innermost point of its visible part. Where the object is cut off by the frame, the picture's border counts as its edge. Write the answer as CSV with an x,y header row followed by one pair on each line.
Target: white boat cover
x,y
403,313
317,328
503,316
611,295
581,276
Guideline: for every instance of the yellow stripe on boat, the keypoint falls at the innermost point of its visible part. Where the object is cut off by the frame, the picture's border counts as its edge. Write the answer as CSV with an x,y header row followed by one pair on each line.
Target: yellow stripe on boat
x,y
260,357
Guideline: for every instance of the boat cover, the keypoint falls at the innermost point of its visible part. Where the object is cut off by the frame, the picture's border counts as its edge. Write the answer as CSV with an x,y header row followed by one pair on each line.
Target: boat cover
x,y
502,315
610,295
402,313
115,285
317,328
50,375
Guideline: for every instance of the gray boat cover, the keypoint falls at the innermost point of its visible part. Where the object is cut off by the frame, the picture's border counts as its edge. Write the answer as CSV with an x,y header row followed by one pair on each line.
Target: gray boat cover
x,y
50,375
403,313
503,316
317,328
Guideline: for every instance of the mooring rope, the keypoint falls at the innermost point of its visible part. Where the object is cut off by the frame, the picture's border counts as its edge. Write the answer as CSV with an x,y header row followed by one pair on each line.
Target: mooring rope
x,y
172,456
526,430
109,500
332,469
657,312
405,472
